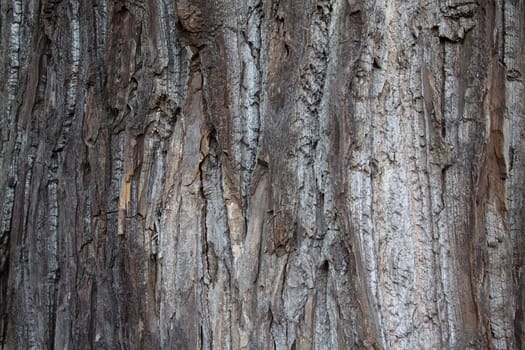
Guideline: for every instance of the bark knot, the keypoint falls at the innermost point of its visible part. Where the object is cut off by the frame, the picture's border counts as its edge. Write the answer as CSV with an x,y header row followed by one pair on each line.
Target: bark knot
x,y
190,17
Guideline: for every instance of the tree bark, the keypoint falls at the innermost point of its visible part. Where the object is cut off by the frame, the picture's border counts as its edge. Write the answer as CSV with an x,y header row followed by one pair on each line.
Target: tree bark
x,y
262,174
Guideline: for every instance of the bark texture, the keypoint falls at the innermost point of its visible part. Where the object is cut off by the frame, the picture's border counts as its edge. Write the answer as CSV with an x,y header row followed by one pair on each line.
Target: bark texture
x,y
262,174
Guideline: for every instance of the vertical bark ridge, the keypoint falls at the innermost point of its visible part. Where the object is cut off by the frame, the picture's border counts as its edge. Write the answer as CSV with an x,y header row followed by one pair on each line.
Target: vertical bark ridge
x,y
513,32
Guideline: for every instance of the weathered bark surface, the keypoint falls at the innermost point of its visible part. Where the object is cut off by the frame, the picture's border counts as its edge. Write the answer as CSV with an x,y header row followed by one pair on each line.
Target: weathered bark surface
x,y
326,174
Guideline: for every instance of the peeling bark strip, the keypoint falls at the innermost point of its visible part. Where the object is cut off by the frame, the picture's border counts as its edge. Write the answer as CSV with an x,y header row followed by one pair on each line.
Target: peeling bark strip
x,y
262,174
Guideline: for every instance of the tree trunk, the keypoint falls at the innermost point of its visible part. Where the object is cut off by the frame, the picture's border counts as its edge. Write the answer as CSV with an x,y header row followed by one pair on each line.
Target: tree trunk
x,y
330,174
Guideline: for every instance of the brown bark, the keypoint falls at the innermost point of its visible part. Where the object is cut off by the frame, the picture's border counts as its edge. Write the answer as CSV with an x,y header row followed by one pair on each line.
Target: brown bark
x,y
326,174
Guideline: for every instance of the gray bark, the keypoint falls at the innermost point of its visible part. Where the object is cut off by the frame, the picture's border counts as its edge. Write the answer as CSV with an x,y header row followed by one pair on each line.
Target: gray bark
x,y
262,174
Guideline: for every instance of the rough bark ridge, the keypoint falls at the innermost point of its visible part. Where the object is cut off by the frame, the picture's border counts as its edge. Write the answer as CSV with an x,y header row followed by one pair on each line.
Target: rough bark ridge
x,y
262,174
